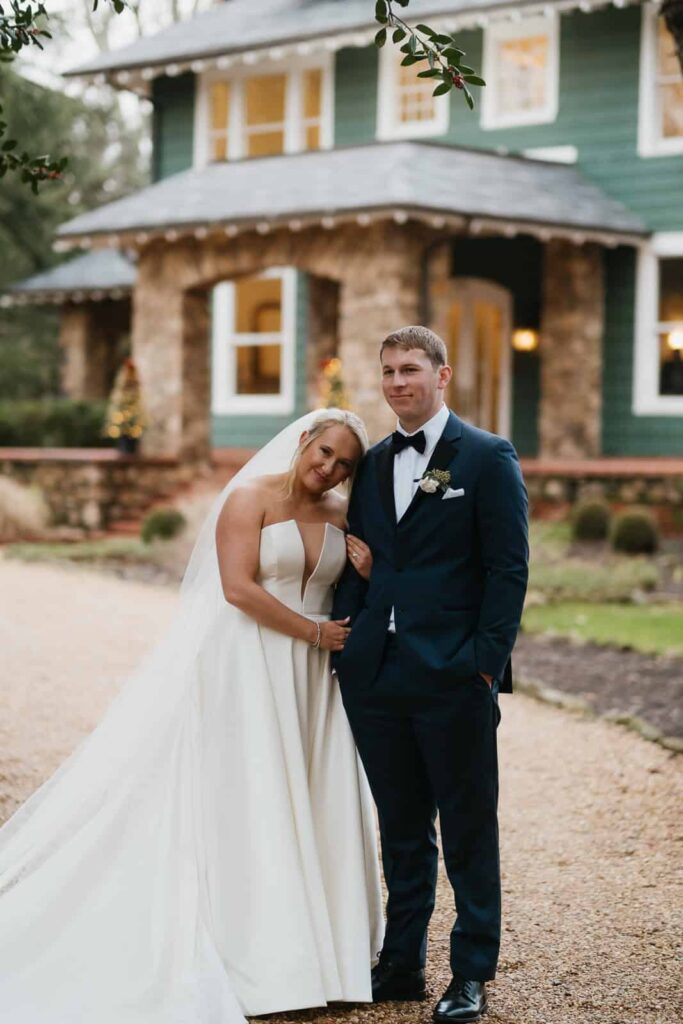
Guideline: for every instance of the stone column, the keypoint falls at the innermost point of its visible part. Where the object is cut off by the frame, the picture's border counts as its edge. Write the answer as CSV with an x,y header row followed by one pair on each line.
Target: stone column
x,y
323,341
572,323
380,291
90,334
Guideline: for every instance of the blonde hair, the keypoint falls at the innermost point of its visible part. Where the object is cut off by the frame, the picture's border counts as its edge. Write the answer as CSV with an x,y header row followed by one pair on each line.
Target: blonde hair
x,y
328,418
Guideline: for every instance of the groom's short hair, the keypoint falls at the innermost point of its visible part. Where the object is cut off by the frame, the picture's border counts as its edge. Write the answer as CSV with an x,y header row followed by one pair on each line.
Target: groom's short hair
x,y
418,337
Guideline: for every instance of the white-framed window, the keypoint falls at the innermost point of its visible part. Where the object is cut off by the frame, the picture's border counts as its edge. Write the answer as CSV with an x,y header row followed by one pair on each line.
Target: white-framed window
x,y
658,352
406,108
264,111
660,103
522,71
254,343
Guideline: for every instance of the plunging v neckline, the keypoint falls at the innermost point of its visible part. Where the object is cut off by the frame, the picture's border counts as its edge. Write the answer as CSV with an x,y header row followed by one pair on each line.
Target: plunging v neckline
x,y
298,523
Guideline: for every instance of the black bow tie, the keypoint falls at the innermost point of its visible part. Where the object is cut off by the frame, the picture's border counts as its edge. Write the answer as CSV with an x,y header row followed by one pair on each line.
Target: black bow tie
x,y
400,441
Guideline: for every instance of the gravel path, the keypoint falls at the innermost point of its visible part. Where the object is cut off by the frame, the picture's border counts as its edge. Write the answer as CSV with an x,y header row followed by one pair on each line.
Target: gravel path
x,y
590,813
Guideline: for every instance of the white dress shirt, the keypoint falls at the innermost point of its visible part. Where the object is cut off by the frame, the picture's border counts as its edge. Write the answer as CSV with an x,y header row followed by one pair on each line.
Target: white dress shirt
x,y
409,465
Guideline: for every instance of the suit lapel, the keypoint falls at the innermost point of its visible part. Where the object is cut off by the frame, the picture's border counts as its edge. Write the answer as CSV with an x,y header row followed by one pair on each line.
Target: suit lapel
x,y
384,466
442,456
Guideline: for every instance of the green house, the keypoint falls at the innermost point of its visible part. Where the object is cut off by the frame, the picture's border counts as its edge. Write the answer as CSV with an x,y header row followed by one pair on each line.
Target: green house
x,y
310,194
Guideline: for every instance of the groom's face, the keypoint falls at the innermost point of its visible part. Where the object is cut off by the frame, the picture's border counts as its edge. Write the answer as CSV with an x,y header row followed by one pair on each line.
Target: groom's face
x,y
412,386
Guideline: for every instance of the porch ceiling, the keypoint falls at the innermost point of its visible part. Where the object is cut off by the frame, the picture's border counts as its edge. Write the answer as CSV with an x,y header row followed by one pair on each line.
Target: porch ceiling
x,y
446,186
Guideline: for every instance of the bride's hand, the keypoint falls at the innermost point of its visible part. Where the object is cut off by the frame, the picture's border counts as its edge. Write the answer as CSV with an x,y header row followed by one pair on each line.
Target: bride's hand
x,y
333,634
360,555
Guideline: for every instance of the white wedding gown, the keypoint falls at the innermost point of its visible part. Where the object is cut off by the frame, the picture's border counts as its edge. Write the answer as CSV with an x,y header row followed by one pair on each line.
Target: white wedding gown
x,y
211,852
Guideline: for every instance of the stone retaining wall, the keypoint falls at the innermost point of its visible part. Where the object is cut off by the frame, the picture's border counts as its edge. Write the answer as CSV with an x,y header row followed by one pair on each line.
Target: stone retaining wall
x,y
96,490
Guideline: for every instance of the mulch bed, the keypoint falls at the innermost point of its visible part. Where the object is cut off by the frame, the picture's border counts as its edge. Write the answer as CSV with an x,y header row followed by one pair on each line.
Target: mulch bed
x,y
612,681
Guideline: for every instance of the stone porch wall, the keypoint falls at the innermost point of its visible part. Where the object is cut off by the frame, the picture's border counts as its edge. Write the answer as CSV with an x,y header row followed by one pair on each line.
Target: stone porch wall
x,y
93,489
377,270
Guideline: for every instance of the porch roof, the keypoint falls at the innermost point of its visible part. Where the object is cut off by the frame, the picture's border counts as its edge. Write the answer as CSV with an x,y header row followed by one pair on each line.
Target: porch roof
x,y
243,26
446,186
104,274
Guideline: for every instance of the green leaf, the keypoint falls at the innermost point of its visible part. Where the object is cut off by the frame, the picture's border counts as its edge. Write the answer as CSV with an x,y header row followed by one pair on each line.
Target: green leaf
x,y
10,144
381,12
407,61
474,80
402,3
413,44
426,30
464,70
453,54
431,73
398,35
442,40
442,89
381,37
469,98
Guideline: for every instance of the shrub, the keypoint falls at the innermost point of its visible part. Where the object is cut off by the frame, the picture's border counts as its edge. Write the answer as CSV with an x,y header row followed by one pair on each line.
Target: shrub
x,y
590,520
635,533
52,423
163,524
23,511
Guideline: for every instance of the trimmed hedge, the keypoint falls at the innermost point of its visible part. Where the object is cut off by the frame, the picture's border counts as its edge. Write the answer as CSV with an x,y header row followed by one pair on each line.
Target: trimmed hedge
x,y
590,520
635,532
162,524
53,423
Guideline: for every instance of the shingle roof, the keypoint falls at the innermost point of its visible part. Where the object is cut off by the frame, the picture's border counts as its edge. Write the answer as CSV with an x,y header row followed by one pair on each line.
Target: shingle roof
x,y
239,25
414,177
97,272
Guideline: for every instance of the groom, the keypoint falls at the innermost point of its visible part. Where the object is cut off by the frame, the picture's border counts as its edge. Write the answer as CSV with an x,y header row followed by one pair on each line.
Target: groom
x,y
443,508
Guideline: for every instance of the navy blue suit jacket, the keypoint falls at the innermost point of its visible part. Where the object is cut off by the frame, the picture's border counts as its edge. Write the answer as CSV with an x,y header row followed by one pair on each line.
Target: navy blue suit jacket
x,y
455,570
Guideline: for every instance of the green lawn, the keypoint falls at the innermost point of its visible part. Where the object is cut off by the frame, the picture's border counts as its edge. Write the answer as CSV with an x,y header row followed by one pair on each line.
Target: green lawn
x,y
124,548
652,629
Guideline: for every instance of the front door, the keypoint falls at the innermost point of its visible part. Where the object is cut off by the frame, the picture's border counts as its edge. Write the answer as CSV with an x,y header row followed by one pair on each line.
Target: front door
x,y
479,350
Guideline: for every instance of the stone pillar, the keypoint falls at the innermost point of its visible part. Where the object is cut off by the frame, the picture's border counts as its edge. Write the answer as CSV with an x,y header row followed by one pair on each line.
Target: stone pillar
x,y
91,334
170,344
380,291
572,323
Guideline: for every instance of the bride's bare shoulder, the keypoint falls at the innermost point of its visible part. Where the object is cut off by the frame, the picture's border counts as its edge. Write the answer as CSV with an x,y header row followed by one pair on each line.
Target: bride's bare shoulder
x,y
249,501
337,509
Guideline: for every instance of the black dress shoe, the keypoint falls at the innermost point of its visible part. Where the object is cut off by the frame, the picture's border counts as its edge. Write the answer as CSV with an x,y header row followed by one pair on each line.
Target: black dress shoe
x,y
463,1001
391,981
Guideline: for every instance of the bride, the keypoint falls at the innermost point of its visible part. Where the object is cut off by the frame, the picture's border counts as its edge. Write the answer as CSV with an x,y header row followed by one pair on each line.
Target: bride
x,y
209,850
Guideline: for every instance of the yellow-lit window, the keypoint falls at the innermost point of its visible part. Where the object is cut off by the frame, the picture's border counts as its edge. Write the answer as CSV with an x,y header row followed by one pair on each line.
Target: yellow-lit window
x,y
258,336
312,104
669,85
220,120
521,74
415,102
670,325
264,115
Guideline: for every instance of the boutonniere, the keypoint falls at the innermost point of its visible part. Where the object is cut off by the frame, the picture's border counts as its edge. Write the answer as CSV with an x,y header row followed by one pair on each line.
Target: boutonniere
x,y
433,480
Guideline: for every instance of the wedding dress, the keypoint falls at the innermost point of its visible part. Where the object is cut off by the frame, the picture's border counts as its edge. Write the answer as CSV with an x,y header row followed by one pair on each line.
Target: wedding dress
x,y
209,851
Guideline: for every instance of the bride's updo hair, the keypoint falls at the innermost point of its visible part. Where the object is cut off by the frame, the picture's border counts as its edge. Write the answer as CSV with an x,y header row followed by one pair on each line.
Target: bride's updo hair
x,y
329,418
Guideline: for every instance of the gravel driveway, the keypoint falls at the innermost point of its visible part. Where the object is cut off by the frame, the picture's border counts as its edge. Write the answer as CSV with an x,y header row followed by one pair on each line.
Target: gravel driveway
x,y
592,849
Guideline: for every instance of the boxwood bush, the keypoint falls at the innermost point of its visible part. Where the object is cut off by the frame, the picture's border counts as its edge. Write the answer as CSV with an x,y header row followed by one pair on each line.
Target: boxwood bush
x,y
162,524
52,423
590,520
635,532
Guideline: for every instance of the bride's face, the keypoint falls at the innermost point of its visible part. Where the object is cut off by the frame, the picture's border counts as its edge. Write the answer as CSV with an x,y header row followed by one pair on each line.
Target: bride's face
x,y
329,459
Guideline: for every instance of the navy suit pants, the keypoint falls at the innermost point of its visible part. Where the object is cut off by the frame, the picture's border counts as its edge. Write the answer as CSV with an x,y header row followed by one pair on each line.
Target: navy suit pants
x,y
423,754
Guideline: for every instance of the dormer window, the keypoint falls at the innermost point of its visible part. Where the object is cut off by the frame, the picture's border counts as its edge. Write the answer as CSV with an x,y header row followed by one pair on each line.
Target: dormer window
x,y
521,68
406,108
255,114
660,128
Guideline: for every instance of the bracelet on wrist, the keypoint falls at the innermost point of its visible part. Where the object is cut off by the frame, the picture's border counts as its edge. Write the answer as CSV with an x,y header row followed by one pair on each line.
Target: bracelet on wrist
x,y
316,642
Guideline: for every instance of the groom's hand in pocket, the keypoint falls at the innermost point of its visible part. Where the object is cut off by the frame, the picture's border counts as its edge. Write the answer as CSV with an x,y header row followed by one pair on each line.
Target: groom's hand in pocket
x,y
360,555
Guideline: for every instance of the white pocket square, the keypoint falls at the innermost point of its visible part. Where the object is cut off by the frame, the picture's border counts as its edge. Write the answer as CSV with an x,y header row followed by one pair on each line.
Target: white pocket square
x,y
450,493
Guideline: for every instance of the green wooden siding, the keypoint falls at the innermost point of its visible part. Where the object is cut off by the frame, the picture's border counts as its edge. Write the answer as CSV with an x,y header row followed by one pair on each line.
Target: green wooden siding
x,y
240,431
516,264
355,96
172,125
622,432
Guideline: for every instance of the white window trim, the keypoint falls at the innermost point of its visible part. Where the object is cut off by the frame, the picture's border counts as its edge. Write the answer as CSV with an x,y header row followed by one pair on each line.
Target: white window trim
x,y
388,125
236,78
553,154
224,401
646,398
649,142
494,33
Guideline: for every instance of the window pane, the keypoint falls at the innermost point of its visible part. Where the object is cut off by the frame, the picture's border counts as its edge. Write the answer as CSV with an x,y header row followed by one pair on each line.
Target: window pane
x,y
521,74
219,147
414,95
671,289
312,90
258,305
265,143
313,137
671,100
265,100
220,105
258,369
667,60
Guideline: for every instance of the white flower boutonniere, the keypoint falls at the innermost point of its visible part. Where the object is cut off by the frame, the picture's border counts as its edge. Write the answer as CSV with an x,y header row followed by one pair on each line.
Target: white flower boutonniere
x,y
434,480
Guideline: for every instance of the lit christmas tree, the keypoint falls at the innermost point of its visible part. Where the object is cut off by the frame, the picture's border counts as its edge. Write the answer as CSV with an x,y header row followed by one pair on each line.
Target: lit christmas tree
x,y
332,391
125,415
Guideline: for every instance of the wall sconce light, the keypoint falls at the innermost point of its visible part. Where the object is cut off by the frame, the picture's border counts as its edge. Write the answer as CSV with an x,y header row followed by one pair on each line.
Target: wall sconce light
x,y
674,340
524,339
